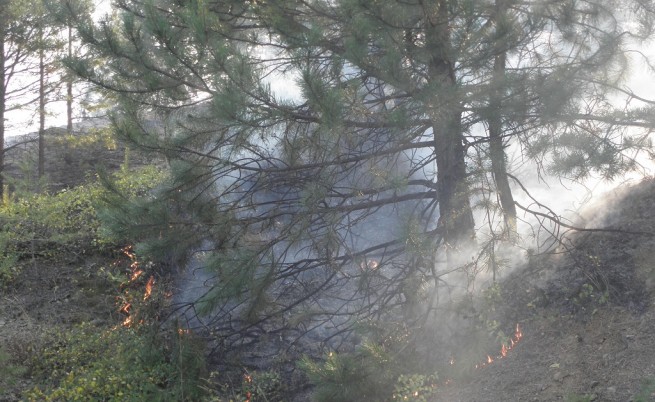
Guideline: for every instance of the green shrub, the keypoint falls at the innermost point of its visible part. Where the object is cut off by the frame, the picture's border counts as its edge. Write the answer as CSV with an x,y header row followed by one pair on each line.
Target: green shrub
x,y
9,372
580,398
86,363
65,223
415,387
376,371
255,386
8,259
647,392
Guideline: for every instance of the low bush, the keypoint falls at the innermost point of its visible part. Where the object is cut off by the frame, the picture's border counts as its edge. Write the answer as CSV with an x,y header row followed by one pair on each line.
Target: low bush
x,y
647,391
87,363
9,372
65,224
381,369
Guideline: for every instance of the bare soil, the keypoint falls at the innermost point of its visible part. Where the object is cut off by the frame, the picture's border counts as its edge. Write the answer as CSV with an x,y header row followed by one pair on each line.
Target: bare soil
x,y
586,315
52,296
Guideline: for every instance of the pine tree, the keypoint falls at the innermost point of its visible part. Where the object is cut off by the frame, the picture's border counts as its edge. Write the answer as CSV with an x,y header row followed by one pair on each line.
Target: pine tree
x,y
65,14
18,35
343,195
46,46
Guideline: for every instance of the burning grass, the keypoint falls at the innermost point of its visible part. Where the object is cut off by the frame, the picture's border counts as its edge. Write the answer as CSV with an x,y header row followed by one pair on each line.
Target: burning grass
x,y
504,349
138,359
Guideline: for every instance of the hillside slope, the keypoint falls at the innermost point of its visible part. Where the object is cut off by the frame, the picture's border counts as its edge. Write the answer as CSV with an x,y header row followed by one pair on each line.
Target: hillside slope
x,y
586,315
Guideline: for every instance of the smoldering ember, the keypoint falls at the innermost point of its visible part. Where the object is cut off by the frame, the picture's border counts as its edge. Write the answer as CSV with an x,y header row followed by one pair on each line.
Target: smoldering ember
x,y
343,200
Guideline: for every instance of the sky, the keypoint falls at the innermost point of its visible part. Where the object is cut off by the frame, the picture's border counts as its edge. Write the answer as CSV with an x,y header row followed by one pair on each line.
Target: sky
x,y
26,120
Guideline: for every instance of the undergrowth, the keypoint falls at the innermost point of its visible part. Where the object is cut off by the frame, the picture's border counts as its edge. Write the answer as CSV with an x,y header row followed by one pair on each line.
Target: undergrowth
x,y
62,226
134,364
383,368
9,372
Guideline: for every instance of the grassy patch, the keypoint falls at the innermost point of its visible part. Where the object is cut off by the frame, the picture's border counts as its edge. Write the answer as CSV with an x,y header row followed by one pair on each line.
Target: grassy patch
x,y
87,363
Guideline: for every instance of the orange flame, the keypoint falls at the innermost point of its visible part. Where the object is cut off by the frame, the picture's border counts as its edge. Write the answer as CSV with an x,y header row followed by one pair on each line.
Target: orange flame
x,y
126,308
135,274
504,350
247,378
149,285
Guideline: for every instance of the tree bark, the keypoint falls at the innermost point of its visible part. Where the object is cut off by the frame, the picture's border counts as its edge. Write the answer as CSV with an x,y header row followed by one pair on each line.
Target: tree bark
x,y
3,92
69,86
41,109
456,216
496,150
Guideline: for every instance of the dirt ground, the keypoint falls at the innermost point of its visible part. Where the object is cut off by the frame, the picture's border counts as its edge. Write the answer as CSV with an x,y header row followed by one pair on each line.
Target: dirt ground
x,y
587,316
48,297
604,359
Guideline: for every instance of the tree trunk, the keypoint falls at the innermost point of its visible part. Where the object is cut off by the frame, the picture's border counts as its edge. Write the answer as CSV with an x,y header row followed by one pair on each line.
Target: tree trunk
x,y
69,86
456,216
41,110
496,151
3,92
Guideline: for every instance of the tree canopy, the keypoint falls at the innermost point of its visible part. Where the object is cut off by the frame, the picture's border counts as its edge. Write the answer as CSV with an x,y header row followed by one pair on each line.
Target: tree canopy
x,y
326,155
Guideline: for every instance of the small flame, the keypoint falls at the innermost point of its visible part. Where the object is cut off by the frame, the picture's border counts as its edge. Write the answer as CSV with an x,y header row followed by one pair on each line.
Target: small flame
x,y
149,285
127,322
126,308
247,378
370,265
135,274
504,350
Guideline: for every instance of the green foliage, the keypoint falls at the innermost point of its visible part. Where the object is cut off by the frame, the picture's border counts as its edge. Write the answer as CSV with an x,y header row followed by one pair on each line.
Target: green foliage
x,y
647,392
580,398
127,364
484,317
384,369
94,137
363,375
9,372
62,225
67,222
415,387
8,259
261,386
589,295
